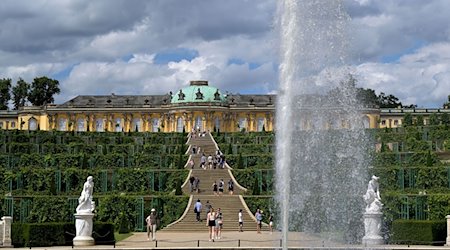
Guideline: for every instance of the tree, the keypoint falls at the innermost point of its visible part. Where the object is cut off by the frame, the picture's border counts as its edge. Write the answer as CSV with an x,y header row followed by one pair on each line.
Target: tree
x,y
434,119
407,120
20,93
42,91
388,101
5,96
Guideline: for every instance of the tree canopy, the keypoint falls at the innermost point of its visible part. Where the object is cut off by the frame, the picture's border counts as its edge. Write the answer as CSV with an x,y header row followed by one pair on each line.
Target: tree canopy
x,y
42,91
5,95
20,93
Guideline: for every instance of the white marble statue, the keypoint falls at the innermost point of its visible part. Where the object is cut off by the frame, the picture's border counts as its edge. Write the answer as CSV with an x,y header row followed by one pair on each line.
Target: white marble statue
x,y
84,215
85,202
372,196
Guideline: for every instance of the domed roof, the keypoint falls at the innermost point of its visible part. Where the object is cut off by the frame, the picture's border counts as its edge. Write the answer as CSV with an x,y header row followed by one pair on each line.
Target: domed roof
x,y
198,91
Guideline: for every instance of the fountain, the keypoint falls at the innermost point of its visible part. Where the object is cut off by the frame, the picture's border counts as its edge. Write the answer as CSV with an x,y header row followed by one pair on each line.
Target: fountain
x,y
321,145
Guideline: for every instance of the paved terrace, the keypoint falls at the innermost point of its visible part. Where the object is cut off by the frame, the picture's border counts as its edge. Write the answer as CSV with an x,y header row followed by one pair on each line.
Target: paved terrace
x,y
231,240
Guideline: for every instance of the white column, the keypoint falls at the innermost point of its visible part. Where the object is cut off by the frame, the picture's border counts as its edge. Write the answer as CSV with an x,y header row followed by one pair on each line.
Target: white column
x,y
447,240
7,231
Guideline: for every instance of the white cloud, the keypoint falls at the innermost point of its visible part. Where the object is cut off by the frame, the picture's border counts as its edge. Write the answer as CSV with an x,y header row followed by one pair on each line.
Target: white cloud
x,y
421,78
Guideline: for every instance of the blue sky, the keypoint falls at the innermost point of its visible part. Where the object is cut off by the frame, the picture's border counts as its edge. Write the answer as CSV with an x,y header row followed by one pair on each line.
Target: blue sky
x,y
152,47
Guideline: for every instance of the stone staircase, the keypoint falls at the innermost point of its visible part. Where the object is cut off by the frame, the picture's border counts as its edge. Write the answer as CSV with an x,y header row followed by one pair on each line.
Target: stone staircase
x,y
229,204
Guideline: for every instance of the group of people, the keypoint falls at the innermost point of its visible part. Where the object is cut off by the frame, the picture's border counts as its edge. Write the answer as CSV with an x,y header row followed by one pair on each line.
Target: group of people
x,y
197,132
210,162
218,187
214,219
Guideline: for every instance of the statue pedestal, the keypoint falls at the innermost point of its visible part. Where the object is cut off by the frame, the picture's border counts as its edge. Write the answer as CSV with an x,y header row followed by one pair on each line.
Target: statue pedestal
x,y
372,226
83,226
5,231
447,240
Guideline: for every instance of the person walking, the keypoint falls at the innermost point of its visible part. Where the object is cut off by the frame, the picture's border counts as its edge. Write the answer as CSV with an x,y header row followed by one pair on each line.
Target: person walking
x,y
219,223
230,187
221,184
191,183
214,186
152,221
203,161
197,185
198,210
211,223
240,220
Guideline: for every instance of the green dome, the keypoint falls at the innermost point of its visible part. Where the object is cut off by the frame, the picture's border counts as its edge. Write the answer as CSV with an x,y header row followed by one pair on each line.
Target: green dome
x,y
198,91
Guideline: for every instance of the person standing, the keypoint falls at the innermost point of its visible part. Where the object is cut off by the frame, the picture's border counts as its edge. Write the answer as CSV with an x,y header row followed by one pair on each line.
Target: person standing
x,y
198,210
271,223
211,223
258,216
197,185
203,161
152,220
241,220
208,207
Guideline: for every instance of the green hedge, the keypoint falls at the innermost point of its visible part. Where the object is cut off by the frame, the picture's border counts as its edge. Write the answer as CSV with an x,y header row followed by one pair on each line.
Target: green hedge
x,y
57,234
419,232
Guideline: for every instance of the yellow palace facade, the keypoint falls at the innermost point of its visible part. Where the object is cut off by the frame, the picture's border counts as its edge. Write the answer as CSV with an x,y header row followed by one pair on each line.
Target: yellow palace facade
x,y
198,105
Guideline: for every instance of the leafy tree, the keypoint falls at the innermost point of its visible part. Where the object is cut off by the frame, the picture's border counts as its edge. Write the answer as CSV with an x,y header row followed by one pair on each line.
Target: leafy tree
x,y
42,90
434,119
388,101
5,96
445,119
20,93
407,120
419,120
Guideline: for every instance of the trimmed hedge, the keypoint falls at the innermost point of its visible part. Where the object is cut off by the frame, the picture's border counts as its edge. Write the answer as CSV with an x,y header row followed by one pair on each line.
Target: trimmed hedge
x,y
419,232
57,234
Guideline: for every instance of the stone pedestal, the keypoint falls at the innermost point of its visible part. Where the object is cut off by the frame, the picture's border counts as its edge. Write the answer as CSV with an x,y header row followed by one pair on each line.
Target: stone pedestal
x,y
6,231
83,226
447,240
372,226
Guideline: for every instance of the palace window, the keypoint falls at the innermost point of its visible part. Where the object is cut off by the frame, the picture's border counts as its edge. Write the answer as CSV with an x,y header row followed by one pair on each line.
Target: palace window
x,y
198,123
118,125
242,124
396,122
155,124
99,125
136,123
366,122
260,124
32,124
62,124
13,124
180,124
80,125
383,122
1,125
217,123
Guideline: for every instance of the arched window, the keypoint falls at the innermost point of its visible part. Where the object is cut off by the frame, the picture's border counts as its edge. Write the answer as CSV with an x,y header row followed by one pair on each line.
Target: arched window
x,y
366,122
217,123
13,124
80,125
99,125
155,124
199,123
32,124
1,125
118,125
261,123
62,124
136,125
180,124
242,124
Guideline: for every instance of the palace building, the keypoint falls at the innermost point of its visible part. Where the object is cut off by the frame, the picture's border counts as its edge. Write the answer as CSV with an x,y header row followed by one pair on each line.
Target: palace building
x,y
198,105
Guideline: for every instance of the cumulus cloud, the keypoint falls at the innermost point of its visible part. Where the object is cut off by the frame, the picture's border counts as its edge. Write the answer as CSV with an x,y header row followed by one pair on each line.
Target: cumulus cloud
x,y
103,46
421,78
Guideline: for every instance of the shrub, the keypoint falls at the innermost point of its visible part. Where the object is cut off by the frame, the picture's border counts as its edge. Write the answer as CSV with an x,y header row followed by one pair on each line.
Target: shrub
x,y
419,232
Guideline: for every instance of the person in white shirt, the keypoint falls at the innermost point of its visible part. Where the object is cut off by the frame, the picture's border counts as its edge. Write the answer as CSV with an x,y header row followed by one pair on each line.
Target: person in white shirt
x,y
241,220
